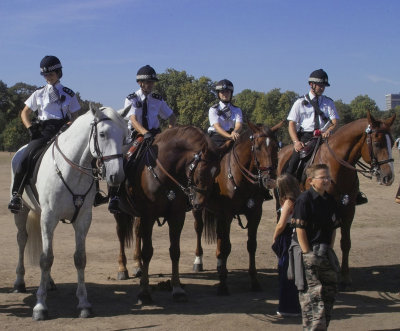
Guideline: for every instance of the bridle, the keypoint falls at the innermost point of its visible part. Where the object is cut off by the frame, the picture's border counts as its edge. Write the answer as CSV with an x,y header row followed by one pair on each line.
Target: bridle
x,y
190,189
93,173
250,176
367,170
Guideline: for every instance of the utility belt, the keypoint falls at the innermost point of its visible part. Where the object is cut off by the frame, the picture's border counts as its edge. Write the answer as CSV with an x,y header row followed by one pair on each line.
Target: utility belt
x,y
153,132
307,135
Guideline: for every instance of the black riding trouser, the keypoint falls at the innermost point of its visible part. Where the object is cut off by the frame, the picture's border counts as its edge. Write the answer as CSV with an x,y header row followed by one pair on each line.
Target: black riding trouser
x,y
218,139
295,157
49,130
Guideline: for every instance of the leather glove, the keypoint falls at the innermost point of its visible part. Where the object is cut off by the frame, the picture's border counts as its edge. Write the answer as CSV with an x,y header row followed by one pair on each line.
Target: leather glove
x,y
34,131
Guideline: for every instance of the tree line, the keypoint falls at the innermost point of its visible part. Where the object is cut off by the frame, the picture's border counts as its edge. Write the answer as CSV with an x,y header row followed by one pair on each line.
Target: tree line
x,y
190,98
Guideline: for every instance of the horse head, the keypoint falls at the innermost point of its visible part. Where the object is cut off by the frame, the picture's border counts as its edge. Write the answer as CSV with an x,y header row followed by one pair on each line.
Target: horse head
x,y
377,148
264,149
107,136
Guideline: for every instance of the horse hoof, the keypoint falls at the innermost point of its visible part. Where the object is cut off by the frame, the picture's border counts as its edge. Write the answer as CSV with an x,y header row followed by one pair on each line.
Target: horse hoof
x,y
85,313
144,299
256,287
20,288
198,267
223,290
179,297
123,275
137,272
40,315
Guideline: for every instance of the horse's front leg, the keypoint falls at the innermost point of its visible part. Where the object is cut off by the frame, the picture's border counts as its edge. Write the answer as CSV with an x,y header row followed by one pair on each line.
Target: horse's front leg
x,y
81,226
175,229
124,233
48,224
145,232
345,245
253,221
137,253
198,227
223,250
22,237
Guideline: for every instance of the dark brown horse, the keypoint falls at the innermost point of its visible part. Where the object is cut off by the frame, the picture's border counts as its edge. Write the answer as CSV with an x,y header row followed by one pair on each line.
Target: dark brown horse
x,y
175,174
369,139
240,189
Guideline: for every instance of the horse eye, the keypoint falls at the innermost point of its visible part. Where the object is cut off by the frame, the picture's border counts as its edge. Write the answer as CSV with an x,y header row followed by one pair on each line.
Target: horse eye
x,y
102,135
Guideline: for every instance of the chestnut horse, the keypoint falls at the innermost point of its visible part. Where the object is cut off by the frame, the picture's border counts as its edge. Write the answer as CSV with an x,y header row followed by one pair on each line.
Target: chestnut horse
x,y
369,139
175,174
246,173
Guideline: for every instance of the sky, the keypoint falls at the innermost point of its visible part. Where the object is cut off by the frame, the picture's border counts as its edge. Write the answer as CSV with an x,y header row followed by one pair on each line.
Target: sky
x,y
257,44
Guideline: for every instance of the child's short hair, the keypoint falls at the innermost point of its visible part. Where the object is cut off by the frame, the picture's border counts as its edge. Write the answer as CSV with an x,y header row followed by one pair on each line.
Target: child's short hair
x,y
315,167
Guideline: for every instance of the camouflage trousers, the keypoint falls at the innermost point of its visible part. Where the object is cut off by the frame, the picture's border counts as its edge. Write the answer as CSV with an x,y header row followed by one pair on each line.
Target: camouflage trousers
x,y
317,299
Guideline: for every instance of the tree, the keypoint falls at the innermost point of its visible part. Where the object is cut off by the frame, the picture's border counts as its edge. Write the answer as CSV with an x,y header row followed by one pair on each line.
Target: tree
x,y
344,112
15,135
361,104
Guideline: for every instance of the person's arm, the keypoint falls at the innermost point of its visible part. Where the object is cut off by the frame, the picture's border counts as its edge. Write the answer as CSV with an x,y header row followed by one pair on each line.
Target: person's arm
x,y
331,129
172,120
26,116
286,211
297,144
236,131
137,125
303,241
221,131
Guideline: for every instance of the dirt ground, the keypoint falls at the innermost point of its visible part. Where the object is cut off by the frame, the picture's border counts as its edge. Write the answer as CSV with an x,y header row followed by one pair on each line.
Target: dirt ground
x,y
372,304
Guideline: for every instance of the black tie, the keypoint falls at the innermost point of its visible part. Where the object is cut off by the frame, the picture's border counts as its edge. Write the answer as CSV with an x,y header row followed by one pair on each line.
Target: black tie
x,y
317,112
144,114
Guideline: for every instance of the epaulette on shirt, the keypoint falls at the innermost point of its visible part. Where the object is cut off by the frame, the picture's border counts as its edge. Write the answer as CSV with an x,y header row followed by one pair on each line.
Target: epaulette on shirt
x,y
156,96
41,87
68,91
215,106
131,96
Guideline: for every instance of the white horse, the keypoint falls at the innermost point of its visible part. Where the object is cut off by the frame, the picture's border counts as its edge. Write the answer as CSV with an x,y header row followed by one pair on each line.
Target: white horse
x,y
63,189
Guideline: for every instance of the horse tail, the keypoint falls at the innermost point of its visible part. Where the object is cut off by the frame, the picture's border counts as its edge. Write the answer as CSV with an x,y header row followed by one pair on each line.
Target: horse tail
x,y
34,242
125,228
210,226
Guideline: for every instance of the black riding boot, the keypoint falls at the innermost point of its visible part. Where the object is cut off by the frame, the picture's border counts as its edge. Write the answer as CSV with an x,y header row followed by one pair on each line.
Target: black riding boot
x,y
113,206
15,204
361,198
99,199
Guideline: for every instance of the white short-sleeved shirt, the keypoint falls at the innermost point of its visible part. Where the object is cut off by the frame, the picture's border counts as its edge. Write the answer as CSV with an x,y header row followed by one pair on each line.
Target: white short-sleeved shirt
x,y
66,105
302,112
223,119
156,106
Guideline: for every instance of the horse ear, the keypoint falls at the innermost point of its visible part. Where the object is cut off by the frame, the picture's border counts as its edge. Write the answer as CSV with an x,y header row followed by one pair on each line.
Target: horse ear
x,y
94,109
277,126
124,112
371,120
390,120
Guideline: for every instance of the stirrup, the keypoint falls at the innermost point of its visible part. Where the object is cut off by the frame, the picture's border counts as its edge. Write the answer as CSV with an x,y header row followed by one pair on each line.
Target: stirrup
x,y
99,199
15,205
361,198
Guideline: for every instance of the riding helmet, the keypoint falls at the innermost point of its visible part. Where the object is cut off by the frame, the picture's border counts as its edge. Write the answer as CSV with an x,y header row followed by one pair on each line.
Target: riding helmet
x,y
223,85
146,73
49,64
319,77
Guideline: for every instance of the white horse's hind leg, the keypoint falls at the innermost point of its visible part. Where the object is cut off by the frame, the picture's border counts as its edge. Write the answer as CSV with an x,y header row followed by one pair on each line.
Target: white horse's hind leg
x,y
81,227
48,224
22,237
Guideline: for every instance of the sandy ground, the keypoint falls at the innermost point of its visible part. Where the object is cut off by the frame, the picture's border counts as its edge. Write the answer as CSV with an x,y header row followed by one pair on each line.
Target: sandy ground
x,y
372,304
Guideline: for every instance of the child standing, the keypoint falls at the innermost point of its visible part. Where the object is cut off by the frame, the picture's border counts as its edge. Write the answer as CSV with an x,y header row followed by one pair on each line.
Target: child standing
x,y
288,188
315,220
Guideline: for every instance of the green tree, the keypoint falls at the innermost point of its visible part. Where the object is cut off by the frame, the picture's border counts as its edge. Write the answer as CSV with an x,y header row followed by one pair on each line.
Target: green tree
x,y
14,135
361,104
344,112
246,101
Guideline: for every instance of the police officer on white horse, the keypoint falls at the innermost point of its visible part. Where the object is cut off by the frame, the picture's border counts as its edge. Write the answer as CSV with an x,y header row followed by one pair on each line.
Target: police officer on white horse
x,y
54,106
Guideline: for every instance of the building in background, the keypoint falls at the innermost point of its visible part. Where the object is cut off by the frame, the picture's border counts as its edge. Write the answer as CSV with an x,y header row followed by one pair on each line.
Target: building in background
x,y
392,100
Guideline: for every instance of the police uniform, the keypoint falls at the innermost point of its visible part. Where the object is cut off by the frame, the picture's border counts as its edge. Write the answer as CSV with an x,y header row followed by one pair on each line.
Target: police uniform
x,y
156,106
317,215
226,115
52,116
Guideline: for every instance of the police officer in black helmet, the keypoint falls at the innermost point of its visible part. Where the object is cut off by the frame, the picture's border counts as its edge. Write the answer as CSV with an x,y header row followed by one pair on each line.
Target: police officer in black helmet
x,y
146,108
225,118
55,106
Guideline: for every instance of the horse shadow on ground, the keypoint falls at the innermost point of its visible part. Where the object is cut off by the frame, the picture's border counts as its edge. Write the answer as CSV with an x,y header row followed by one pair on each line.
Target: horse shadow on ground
x,y
120,297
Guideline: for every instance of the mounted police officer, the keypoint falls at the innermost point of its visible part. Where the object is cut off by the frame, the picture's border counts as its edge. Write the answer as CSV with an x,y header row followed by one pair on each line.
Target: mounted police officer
x,y
311,115
225,119
146,107
54,106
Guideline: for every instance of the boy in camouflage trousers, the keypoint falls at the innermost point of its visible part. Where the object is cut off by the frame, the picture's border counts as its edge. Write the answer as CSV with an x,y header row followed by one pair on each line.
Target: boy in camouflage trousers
x,y
315,220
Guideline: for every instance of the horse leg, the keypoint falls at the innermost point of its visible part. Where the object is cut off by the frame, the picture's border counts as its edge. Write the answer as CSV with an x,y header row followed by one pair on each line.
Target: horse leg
x,y
124,233
81,226
175,230
223,250
49,223
198,227
137,253
145,232
345,245
253,223
22,237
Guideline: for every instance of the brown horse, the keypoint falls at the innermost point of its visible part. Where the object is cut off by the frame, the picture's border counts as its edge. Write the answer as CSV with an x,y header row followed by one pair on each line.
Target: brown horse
x,y
367,138
246,173
175,174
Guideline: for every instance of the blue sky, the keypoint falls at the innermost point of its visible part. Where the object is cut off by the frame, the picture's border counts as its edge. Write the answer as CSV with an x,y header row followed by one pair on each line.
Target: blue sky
x,y
257,44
